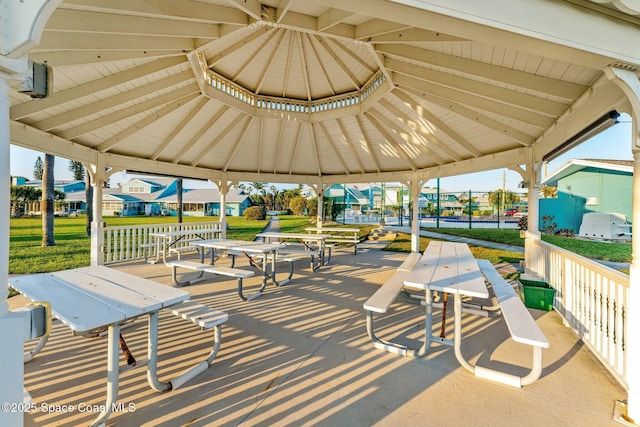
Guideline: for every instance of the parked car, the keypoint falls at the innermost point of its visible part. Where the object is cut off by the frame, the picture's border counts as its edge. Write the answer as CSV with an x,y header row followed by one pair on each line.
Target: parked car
x,y
510,211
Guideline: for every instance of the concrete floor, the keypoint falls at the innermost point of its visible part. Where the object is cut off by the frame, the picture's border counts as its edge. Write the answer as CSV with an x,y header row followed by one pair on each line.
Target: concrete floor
x,y
300,355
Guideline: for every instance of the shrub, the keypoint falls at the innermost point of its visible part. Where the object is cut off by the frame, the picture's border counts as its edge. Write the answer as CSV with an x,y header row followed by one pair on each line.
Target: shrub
x,y
255,213
523,222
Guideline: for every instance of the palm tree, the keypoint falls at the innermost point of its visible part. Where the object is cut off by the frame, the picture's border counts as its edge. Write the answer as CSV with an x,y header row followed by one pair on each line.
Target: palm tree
x,y
21,196
48,201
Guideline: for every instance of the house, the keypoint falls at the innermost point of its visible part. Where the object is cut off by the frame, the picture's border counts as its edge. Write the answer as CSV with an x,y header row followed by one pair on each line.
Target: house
x,y
157,196
587,185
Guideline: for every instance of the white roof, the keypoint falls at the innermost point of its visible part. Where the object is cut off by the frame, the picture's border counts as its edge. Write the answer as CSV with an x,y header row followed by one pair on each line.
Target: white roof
x,y
323,91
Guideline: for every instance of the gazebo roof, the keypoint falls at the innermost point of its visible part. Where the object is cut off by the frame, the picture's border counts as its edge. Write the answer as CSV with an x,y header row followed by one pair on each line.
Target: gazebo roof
x,y
322,91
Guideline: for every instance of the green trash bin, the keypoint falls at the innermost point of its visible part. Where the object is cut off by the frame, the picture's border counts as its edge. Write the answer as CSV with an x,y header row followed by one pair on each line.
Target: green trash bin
x,y
536,293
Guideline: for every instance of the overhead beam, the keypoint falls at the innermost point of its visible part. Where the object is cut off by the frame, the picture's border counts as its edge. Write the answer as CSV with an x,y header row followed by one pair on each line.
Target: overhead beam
x,y
351,145
187,10
331,18
80,21
25,109
55,40
118,138
114,101
375,27
516,78
426,119
196,137
408,141
140,107
391,139
238,142
334,147
469,99
365,139
413,35
504,95
352,78
180,127
253,8
201,155
94,56
420,130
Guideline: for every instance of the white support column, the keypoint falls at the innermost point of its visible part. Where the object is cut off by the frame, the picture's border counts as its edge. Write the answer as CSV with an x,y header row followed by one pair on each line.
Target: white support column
x,y
633,311
319,189
629,82
223,189
11,357
21,29
98,180
415,187
533,215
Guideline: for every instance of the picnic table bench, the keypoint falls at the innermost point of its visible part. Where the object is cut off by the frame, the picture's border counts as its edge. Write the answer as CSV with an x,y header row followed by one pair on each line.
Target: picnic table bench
x,y
522,327
338,235
90,300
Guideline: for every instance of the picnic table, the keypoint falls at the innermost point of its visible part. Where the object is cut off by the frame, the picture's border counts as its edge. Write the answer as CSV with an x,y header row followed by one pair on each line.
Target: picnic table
x,y
180,240
450,268
305,245
91,299
339,235
266,251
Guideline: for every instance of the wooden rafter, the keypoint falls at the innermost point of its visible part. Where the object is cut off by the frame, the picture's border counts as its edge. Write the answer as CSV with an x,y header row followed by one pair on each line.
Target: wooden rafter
x,y
113,101
391,139
322,67
408,141
365,139
428,139
141,107
26,109
516,78
350,144
315,149
176,130
236,145
270,61
426,116
196,137
305,77
251,58
295,148
342,65
278,144
333,146
118,138
477,117
219,137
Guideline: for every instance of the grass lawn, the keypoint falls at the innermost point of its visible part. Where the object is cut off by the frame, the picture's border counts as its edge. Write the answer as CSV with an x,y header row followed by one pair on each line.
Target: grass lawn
x,y
606,251
402,243
72,249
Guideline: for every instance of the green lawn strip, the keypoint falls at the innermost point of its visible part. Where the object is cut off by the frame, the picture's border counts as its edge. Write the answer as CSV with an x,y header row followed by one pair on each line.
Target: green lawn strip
x,y
402,243
606,251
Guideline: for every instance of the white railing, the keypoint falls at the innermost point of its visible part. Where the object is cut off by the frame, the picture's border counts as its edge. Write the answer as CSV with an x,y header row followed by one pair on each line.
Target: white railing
x,y
129,242
592,298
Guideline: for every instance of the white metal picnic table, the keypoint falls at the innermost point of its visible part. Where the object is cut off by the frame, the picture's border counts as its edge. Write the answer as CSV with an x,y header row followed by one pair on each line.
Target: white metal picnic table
x,y
447,267
249,249
304,239
92,299
164,240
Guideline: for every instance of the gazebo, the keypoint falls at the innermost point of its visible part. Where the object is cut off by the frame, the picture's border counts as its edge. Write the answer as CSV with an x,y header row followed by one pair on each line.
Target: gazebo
x,y
321,93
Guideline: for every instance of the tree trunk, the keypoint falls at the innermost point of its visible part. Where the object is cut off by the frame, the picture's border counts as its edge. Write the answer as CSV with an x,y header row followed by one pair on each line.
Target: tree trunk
x,y
48,201
88,195
179,194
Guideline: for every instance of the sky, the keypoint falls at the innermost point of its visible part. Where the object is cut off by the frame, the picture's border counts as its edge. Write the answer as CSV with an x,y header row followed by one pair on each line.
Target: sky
x,y
614,143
